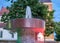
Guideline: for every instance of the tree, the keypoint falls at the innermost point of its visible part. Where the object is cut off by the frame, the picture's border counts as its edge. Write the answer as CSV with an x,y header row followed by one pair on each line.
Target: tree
x,y
57,31
50,24
39,10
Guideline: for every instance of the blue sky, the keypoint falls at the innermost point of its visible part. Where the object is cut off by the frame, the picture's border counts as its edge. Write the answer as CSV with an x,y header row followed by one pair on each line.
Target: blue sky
x,y
56,7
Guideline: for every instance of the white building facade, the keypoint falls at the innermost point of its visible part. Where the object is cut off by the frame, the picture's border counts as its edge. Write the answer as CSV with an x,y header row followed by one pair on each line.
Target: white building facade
x,y
5,34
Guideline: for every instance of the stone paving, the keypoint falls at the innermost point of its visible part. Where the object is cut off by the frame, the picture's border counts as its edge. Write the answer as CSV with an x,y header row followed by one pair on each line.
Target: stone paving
x,y
28,42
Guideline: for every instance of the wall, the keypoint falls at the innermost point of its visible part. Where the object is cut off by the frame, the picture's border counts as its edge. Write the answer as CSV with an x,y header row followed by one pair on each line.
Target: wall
x,y
5,41
6,35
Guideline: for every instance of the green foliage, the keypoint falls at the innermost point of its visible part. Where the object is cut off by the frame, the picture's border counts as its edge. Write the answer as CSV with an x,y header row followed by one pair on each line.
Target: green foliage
x,y
18,9
57,27
49,29
57,38
49,24
57,31
4,17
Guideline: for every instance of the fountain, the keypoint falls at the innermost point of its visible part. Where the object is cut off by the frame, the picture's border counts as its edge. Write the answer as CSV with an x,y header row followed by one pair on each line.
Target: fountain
x,y
28,12
28,15
31,26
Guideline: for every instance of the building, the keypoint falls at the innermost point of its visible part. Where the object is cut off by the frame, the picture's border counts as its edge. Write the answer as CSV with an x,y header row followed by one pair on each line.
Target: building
x,y
49,38
5,35
49,3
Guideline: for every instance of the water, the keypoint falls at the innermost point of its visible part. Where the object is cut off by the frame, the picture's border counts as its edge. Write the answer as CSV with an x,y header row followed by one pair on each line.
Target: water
x,y
28,39
28,15
28,12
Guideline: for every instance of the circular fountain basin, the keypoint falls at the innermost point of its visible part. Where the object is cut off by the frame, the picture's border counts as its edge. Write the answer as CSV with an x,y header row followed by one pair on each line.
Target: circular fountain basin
x,y
28,23
31,27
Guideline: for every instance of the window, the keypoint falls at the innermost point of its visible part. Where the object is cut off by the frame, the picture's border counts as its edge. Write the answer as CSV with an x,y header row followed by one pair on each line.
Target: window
x,y
12,34
1,34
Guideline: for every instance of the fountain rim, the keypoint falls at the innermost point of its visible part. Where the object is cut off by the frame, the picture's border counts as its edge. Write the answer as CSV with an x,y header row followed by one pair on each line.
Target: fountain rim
x,y
23,22
29,18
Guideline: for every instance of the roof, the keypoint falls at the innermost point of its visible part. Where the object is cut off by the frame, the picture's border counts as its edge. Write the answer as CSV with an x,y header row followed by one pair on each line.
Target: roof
x,y
45,0
2,25
0,13
4,10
